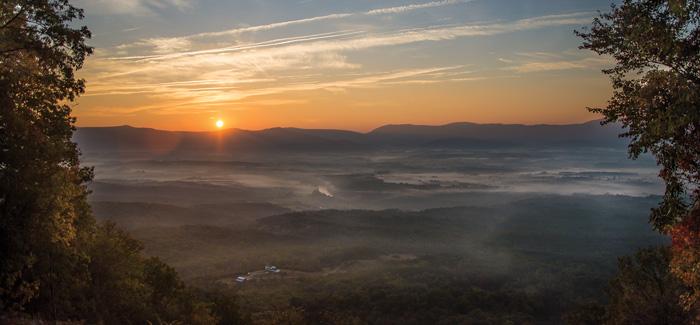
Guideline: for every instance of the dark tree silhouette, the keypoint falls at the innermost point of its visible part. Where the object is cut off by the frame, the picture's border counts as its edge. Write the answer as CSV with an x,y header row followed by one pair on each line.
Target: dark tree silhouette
x,y
656,82
43,211
56,262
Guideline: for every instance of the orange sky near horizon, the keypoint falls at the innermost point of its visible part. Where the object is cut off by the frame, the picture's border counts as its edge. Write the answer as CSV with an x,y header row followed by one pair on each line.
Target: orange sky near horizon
x,y
340,66
545,100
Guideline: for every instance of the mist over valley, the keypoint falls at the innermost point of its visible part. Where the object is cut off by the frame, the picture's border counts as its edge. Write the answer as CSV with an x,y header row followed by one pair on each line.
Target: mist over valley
x,y
525,212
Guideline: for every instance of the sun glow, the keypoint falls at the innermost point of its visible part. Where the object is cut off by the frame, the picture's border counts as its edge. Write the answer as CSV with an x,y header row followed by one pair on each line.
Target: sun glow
x,y
219,124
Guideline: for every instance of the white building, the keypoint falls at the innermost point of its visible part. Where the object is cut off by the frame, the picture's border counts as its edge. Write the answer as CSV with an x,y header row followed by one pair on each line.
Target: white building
x,y
271,268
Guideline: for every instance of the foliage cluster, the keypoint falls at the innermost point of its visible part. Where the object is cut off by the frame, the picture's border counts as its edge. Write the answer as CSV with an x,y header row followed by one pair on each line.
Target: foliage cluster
x,y
656,81
56,262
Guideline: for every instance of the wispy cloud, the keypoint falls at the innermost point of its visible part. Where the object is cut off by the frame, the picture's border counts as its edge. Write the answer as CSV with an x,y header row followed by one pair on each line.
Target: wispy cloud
x,y
178,95
381,40
412,7
154,42
547,66
221,76
544,61
137,7
168,45
266,27
259,28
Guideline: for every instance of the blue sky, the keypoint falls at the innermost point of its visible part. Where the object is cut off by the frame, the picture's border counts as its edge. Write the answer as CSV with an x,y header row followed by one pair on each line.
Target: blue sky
x,y
180,64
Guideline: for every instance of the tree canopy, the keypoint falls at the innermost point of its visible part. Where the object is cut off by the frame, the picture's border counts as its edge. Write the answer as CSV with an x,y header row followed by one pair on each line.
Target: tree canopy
x,y
44,216
656,83
56,261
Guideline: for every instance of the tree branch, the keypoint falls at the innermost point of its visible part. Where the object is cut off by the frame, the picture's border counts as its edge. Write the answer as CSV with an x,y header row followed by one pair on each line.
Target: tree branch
x,y
19,13
11,50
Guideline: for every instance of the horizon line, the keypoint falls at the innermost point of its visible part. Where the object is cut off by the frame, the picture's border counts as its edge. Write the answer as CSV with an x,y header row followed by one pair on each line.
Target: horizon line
x,y
338,129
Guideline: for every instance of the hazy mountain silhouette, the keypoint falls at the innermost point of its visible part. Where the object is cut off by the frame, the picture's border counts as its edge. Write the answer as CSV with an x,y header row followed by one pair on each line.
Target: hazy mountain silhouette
x,y
127,138
472,134
467,135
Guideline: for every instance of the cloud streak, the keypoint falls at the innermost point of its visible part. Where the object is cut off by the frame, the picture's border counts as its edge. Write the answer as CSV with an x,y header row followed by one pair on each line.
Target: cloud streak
x,y
131,7
382,40
412,7
545,62
222,76
306,52
156,42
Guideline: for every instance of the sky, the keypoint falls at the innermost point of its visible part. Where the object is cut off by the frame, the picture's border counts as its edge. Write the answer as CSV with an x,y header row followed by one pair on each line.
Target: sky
x,y
354,65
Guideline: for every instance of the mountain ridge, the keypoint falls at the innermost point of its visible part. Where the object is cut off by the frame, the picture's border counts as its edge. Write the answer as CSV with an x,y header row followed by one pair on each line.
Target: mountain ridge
x,y
127,126
452,135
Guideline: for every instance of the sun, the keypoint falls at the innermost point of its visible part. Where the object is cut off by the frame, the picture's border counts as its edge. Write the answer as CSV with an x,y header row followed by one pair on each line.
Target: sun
x,y
219,123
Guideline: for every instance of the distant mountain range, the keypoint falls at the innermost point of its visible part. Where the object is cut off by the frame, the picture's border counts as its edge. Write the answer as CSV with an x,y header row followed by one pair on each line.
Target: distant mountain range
x,y
455,135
